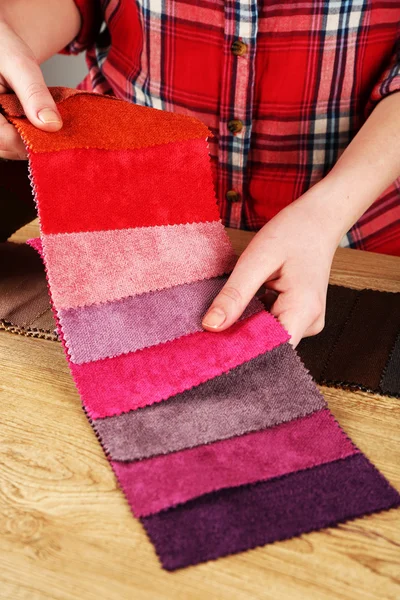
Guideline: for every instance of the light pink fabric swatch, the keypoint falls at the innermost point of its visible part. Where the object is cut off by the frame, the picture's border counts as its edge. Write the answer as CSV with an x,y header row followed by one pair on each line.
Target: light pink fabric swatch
x,y
117,385
113,328
100,266
158,483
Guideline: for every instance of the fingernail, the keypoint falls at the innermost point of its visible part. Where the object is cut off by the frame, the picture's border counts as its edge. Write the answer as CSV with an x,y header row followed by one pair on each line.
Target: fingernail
x,y
48,115
215,318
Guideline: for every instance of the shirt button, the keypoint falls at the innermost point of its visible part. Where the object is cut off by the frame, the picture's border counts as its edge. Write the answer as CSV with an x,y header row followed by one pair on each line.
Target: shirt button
x,y
232,196
235,126
239,48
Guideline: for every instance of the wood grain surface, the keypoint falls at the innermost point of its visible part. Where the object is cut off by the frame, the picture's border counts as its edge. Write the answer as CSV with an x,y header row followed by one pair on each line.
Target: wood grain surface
x,y
66,532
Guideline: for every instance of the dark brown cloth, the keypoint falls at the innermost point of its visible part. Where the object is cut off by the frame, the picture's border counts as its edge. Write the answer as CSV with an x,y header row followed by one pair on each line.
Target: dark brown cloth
x,y
390,383
24,301
17,207
356,346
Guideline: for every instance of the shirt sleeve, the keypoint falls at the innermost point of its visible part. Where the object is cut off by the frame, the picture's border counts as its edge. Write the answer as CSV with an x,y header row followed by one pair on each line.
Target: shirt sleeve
x,y
91,20
389,82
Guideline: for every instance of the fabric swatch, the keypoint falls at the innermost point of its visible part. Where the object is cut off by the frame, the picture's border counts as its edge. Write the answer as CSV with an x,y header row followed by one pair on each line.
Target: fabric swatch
x,y
16,203
92,267
224,423
71,204
24,297
390,382
158,483
271,389
116,385
355,348
93,121
242,518
104,330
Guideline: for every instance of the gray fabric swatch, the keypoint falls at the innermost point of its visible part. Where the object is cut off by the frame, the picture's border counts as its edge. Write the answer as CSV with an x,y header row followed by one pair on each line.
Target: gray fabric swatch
x,y
270,389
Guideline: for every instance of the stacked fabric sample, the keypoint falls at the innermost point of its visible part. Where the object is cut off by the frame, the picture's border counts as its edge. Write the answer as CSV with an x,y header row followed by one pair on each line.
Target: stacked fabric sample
x,y
220,442
359,347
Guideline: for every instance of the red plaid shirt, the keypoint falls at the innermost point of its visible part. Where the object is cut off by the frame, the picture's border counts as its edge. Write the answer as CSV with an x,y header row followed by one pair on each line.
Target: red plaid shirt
x,y
283,86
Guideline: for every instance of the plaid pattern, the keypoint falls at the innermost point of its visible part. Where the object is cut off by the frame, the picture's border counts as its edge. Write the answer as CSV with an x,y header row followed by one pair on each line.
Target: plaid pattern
x,y
312,73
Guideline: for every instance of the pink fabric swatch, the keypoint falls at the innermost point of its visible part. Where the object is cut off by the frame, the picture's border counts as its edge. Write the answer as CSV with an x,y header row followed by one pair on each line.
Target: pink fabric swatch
x,y
101,266
117,385
113,328
158,483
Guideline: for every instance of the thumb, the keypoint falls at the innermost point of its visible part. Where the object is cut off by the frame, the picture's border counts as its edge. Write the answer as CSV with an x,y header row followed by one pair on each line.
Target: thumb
x,y
232,300
22,73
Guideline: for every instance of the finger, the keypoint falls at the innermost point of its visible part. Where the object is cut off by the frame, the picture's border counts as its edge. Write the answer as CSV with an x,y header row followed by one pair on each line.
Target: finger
x,y
11,145
23,75
298,312
244,282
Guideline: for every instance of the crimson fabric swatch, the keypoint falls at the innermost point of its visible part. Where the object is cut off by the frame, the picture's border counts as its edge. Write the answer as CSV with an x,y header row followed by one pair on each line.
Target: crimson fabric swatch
x,y
238,519
116,385
91,267
224,420
271,389
113,328
71,204
158,483
356,346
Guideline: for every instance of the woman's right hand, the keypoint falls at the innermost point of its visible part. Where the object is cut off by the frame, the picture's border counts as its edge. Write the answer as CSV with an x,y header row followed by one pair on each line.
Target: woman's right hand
x,y
20,73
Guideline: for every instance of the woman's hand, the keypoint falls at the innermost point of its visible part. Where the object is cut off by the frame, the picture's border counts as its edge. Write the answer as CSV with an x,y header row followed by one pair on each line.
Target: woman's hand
x,y
20,72
292,256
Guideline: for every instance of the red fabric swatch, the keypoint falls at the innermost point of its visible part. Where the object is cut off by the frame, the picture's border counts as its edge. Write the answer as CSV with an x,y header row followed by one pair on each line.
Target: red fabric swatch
x,y
67,204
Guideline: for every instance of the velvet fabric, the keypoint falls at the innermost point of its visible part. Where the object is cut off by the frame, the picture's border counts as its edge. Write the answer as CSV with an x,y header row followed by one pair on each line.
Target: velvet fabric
x,y
116,385
238,519
16,203
71,204
355,347
271,389
363,347
88,268
158,483
105,330
24,299
390,382
90,122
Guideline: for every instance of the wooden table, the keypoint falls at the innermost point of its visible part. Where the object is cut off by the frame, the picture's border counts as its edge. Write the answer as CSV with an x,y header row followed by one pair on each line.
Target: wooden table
x,y
66,532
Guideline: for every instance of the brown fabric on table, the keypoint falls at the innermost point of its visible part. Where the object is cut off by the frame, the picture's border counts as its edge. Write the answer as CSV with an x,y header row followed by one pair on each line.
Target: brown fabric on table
x,y
17,207
390,383
314,351
24,300
362,350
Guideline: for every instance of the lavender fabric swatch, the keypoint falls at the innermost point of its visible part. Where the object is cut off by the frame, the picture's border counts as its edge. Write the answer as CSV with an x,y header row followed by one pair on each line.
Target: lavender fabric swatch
x,y
114,328
160,482
270,389
100,266
390,382
242,518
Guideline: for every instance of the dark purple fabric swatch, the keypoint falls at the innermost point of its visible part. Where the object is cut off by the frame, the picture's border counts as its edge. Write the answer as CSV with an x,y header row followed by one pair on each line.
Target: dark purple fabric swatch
x,y
390,383
239,519
270,389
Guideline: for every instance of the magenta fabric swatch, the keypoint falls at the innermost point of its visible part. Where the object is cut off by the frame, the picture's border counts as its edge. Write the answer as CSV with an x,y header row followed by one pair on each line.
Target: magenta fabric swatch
x,y
158,483
238,519
271,389
116,385
105,330
101,266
